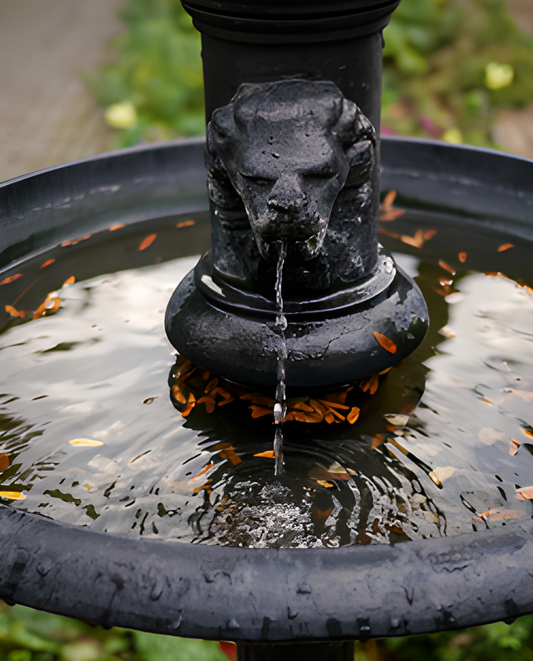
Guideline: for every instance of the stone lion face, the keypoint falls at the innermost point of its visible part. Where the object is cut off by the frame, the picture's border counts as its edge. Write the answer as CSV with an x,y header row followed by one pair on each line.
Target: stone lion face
x,y
288,180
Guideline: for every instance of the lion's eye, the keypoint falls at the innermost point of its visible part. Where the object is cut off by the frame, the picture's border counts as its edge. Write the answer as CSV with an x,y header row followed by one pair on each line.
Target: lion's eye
x,y
263,182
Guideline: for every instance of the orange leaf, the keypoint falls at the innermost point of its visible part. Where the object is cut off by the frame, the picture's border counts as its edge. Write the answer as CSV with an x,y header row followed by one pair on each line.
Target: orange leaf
x,y
505,246
191,402
524,493
391,214
116,227
513,447
209,403
462,257
230,455
353,415
204,470
417,241
334,405
269,454
323,483
50,305
14,312
528,432
4,462
257,398
147,242
185,223
69,281
212,384
300,406
47,263
73,242
370,384
323,514
429,234
385,342
6,281
389,199
376,441
258,412
446,267
300,416
178,394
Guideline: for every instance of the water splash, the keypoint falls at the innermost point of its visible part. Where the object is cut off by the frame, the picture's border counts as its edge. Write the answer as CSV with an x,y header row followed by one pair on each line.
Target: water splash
x,y
280,407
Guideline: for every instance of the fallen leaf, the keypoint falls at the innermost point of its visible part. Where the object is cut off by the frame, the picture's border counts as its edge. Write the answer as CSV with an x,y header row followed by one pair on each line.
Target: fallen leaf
x,y
334,405
178,394
417,241
51,304
376,441
14,312
149,400
385,342
429,234
396,419
438,475
204,470
139,456
513,447
230,454
88,486
4,462
446,267
12,495
389,199
259,412
523,394
269,454
73,242
369,384
462,257
209,402
86,443
394,235
506,515
185,223
528,432
69,281
191,402
447,332
505,246
116,227
47,263
486,401
147,242
391,214
323,483
11,278
524,493
353,415
229,649
489,435
257,398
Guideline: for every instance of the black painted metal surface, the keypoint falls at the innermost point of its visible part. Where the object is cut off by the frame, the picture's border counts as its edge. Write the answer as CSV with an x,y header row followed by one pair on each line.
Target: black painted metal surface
x,y
260,594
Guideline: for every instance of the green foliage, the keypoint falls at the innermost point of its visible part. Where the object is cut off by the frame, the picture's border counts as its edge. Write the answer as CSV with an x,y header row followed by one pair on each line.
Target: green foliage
x,y
158,70
435,71
28,635
435,68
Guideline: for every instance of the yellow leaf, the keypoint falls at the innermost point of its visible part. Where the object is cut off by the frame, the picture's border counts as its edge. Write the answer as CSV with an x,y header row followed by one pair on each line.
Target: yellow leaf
x,y
86,443
440,474
323,483
12,495
269,454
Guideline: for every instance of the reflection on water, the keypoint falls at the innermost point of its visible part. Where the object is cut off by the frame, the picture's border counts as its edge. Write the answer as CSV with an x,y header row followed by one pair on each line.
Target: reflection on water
x,y
439,448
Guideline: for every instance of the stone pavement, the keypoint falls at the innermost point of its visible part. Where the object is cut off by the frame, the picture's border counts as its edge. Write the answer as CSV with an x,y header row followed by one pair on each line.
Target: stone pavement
x,y
47,116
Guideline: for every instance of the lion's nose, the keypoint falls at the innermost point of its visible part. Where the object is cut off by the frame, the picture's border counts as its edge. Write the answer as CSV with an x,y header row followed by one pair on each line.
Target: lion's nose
x,y
287,194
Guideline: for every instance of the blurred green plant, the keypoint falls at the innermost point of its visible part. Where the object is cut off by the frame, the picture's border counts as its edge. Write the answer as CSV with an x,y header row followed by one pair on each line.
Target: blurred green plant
x,y
153,90
449,66
28,635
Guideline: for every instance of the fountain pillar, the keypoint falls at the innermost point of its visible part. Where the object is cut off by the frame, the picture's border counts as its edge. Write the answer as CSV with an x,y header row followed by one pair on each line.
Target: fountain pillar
x,y
293,94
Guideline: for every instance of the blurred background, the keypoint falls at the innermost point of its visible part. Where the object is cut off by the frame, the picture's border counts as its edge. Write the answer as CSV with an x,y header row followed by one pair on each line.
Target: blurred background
x,y
78,78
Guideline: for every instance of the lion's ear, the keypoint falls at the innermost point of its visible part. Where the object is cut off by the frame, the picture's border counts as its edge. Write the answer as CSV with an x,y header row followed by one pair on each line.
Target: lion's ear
x,y
221,191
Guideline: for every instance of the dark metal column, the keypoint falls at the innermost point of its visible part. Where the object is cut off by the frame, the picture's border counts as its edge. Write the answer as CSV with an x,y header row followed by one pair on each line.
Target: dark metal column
x,y
267,41
295,652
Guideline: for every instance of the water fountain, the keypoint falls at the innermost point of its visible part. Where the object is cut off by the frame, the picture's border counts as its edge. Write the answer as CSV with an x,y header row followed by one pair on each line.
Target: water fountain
x,y
416,516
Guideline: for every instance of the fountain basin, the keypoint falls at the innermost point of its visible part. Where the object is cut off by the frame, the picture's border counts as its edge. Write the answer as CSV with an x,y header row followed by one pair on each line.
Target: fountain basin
x,y
261,594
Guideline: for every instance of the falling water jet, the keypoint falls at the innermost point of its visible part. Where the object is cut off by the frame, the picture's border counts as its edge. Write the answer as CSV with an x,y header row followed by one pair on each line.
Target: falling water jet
x,y
280,406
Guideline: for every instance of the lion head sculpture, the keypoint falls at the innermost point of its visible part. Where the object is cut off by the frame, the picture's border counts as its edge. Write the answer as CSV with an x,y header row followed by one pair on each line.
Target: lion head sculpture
x,y
293,161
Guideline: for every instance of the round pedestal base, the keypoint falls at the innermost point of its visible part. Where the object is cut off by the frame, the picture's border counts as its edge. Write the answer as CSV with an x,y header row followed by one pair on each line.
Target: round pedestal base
x,y
330,349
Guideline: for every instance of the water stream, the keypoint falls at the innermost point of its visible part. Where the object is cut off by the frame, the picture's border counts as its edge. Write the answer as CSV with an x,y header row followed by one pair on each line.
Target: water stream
x,y
280,406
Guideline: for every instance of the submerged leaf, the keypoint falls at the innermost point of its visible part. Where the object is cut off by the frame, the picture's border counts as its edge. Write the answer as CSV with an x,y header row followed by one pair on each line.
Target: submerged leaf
x,y
86,442
14,312
462,257
353,415
438,475
524,493
47,263
505,246
4,462
11,278
185,223
147,242
446,267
